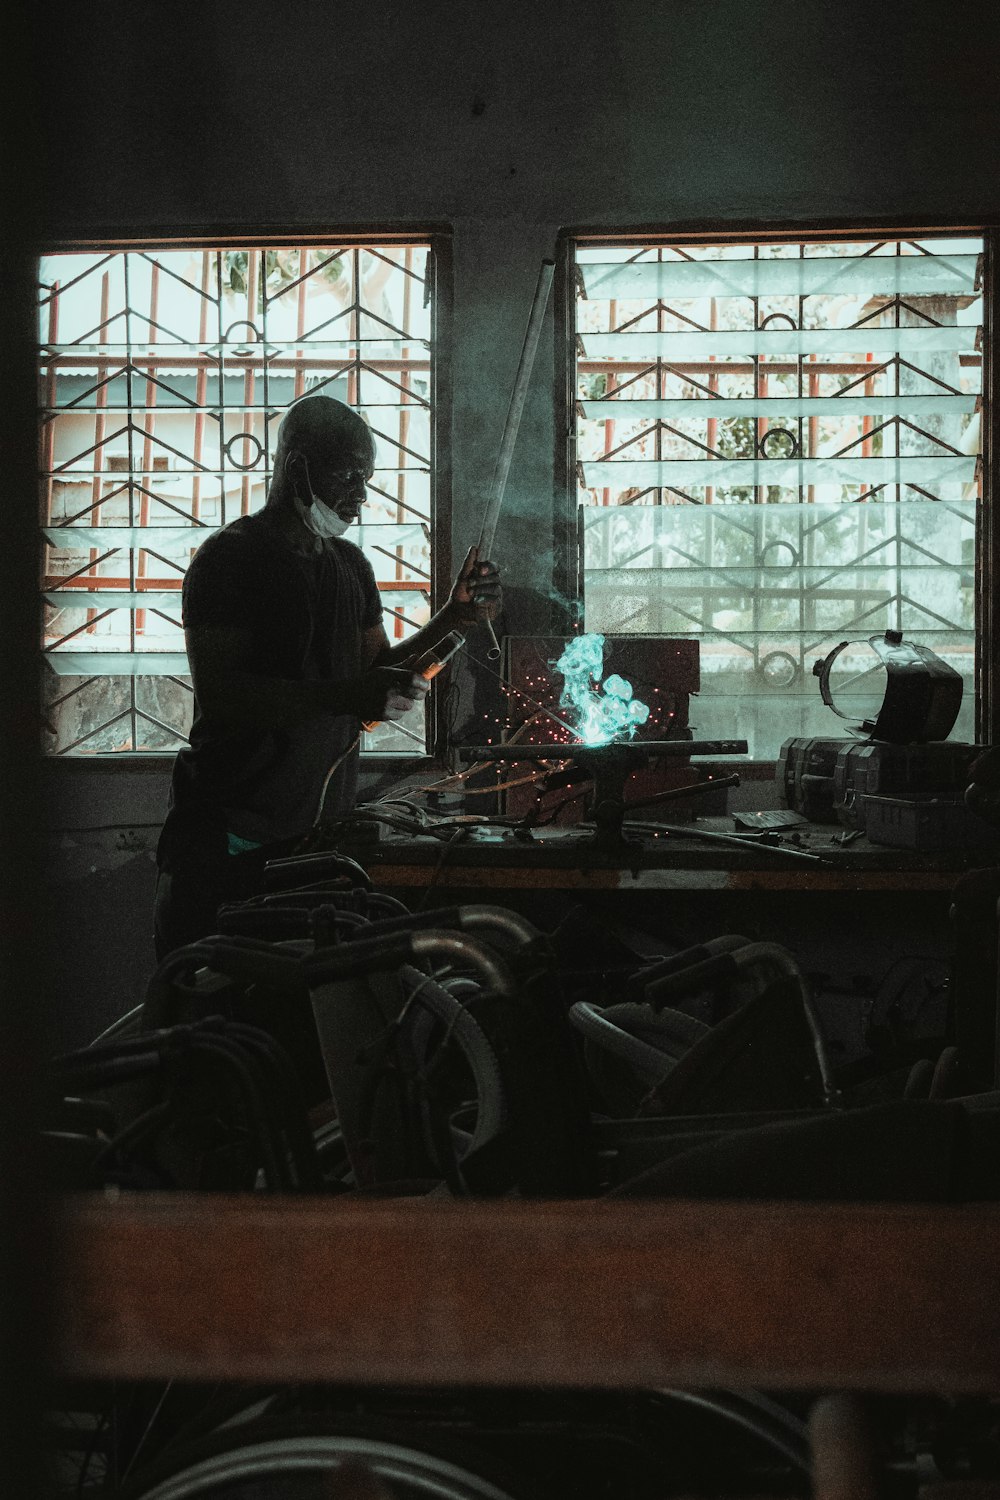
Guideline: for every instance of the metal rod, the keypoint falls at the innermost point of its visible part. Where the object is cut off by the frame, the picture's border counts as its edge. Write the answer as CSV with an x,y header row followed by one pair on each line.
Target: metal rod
x,y
498,483
633,750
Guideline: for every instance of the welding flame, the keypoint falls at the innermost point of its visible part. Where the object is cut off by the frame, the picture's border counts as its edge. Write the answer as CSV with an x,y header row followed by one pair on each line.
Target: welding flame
x,y
602,711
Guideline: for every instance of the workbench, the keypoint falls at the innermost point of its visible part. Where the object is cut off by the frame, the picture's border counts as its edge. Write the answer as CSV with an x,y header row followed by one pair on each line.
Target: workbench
x,y
566,860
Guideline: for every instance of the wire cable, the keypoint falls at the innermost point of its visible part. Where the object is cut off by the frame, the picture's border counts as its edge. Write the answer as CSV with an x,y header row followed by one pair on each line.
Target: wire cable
x,y
505,786
330,775
456,778
456,838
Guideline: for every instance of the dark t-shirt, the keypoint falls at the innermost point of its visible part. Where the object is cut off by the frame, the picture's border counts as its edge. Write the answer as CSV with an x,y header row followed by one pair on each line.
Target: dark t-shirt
x,y
305,614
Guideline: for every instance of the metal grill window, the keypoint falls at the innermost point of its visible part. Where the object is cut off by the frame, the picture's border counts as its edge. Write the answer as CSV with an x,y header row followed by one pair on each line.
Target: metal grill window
x,y
777,449
164,375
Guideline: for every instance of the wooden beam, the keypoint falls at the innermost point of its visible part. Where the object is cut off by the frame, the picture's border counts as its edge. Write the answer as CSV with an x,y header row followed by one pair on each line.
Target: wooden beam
x,y
613,1294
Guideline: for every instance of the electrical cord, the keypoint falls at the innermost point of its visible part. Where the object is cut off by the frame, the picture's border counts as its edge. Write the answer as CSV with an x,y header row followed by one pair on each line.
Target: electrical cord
x,y
506,786
554,812
457,778
405,803
402,823
455,839
330,775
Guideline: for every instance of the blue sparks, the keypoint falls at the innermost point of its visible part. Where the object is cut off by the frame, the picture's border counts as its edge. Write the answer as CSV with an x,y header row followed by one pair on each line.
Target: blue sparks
x,y
603,710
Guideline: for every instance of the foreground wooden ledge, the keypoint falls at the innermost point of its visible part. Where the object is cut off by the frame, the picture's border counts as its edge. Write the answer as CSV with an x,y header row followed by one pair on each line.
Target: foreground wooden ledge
x,y
781,1295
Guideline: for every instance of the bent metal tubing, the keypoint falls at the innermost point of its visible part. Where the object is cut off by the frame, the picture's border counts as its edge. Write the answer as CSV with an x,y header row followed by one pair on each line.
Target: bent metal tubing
x,y
469,918
254,960
435,943
497,917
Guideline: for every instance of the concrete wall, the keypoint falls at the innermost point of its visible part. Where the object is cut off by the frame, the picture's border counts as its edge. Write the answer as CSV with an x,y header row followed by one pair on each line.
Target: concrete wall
x,y
505,123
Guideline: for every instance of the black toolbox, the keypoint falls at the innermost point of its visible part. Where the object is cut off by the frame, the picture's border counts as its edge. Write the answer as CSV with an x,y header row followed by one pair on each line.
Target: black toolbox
x,y
939,769
804,774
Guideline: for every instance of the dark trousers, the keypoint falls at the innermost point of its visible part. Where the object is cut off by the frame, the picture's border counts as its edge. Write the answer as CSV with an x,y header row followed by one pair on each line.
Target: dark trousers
x,y
192,887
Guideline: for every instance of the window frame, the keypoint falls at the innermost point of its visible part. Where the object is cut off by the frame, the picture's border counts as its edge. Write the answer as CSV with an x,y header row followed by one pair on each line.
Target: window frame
x,y
438,238
568,539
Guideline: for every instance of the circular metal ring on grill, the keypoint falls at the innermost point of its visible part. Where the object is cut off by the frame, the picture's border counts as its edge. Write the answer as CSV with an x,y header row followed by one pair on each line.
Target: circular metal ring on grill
x,y
244,437
258,337
787,317
775,542
779,669
771,432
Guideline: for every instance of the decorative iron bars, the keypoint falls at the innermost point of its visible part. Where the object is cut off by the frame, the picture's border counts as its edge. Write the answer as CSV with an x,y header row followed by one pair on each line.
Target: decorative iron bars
x,y
164,375
777,448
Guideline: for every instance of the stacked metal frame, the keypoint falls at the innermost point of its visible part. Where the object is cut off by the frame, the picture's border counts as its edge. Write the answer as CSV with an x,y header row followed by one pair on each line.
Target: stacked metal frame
x,y
777,447
164,375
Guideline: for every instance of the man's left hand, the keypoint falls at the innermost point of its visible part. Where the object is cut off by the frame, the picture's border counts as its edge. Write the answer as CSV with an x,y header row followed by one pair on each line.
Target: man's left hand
x,y
477,593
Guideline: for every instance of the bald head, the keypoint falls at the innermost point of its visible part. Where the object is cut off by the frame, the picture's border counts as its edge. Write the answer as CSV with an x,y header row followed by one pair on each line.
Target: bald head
x,y
326,433
324,458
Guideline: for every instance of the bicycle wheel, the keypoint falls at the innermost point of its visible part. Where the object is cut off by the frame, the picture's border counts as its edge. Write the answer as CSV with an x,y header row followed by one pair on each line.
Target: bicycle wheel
x,y
298,1461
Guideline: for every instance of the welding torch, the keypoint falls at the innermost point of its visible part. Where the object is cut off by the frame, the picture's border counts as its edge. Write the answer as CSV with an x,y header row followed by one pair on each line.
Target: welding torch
x,y
486,609
432,662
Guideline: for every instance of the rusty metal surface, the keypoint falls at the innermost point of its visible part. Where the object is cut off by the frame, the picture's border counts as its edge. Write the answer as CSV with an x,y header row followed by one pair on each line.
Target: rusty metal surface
x,y
821,1297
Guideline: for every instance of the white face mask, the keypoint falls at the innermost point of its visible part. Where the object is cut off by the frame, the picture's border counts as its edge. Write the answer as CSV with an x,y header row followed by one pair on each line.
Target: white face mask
x,y
320,519
317,517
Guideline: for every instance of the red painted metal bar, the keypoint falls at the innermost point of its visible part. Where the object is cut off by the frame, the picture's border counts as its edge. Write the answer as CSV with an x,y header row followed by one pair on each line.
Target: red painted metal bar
x,y
49,430
99,427
85,584
300,321
611,385
866,427
149,428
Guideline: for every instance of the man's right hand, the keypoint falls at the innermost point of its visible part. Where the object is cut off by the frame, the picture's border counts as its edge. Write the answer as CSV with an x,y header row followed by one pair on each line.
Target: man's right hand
x,y
387,693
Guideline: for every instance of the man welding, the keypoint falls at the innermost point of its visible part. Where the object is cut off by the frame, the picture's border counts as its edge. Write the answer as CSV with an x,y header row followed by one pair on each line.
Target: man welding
x,y
289,657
